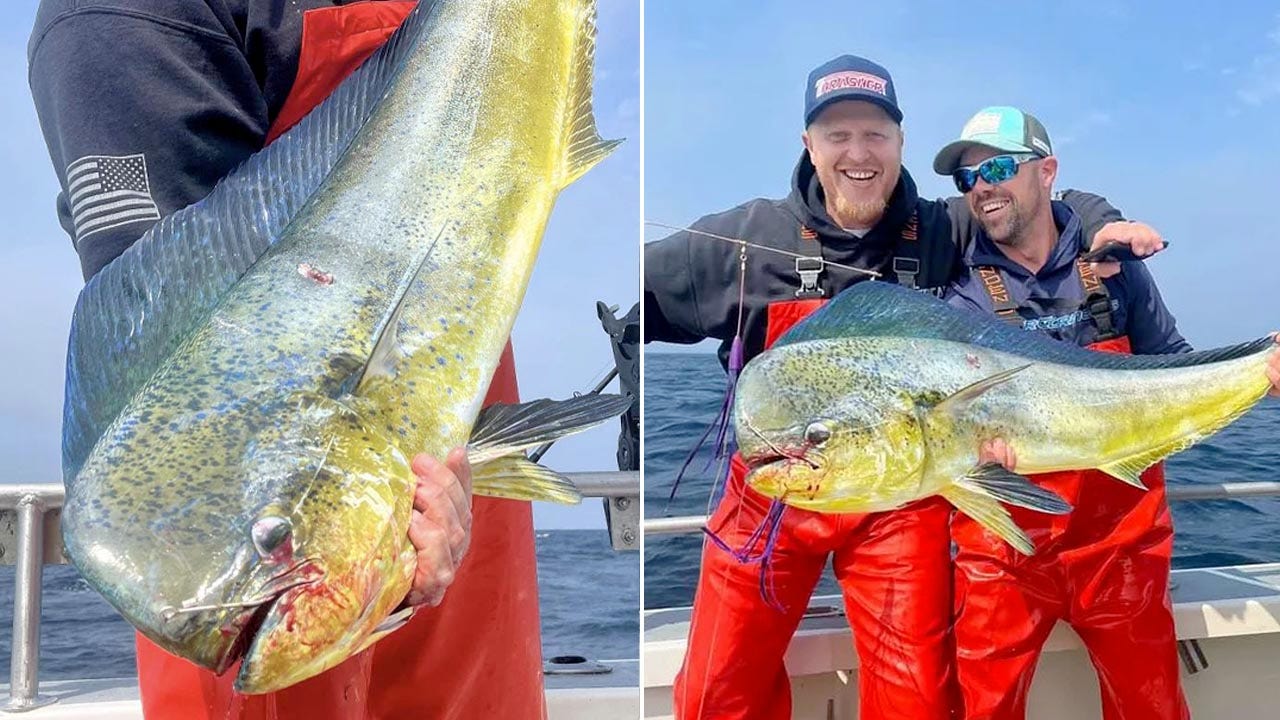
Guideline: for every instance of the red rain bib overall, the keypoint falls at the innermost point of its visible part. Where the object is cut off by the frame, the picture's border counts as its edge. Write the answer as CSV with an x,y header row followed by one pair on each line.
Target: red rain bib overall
x,y
1103,568
894,569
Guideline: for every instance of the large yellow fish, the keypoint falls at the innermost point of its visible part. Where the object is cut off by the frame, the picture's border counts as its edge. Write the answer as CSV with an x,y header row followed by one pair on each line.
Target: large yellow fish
x,y
247,384
884,396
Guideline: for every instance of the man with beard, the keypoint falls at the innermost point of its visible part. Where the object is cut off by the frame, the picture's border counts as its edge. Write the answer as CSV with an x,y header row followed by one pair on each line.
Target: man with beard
x,y
851,206
1104,568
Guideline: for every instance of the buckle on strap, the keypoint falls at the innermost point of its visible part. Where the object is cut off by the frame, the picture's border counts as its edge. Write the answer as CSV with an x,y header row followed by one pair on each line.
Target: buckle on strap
x,y
809,268
1098,305
906,269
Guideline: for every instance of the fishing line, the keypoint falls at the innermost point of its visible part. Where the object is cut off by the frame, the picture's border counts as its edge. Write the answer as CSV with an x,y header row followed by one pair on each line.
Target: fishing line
x,y
766,248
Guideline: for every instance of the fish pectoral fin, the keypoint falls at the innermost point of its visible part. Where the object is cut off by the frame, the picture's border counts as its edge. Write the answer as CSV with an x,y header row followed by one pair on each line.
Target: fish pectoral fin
x,y
1009,487
583,147
975,390
518,478
504,429
989,514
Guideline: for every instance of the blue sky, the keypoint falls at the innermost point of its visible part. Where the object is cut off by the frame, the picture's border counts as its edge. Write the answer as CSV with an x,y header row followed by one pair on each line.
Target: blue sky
x,y
590,252
1170,110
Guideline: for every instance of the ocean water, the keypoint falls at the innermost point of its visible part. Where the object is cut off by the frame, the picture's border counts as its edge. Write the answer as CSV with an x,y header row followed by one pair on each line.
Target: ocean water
x,y
82,636
683,392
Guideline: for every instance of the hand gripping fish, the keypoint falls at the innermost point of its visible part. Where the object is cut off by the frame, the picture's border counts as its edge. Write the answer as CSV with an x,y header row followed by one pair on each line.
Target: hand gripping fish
x,y
883,396
247,384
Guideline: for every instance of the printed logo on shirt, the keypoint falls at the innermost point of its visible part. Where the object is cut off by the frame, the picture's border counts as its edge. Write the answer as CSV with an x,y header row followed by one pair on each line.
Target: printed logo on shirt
x,y
1060,322
106,192
849,79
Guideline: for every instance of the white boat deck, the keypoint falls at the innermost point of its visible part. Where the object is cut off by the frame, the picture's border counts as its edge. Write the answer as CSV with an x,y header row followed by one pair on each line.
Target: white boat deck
x,y
609,696
1231,613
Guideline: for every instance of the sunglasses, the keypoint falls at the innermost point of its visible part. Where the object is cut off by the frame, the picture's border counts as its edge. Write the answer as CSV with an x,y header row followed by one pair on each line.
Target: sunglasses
x,y
994,170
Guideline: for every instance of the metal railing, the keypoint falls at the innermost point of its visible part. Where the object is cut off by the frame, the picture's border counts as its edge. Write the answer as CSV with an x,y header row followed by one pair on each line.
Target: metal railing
x,y
687,524
30,538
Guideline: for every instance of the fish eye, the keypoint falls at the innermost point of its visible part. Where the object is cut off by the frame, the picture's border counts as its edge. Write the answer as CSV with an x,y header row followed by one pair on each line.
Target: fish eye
x,y
817,433
270,533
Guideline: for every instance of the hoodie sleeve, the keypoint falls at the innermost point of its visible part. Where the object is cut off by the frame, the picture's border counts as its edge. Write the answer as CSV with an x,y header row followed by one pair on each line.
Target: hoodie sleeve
x,y
141,114
670,300
1093,210
1150,326
691,282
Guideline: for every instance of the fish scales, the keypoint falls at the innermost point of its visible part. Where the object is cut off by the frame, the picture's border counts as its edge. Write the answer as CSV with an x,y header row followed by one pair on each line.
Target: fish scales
x,y
366,332
873,407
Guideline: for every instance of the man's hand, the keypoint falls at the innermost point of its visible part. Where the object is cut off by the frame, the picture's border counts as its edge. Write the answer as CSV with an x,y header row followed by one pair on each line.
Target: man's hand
x,y
996,451
440,528
1141,238
1273,368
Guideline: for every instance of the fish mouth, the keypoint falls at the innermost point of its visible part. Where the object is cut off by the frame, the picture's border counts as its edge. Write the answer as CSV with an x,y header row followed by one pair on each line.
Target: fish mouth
x,y
773,456
240,630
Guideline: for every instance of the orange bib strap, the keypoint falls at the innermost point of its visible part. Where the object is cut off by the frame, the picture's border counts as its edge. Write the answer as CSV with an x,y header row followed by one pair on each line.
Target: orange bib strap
x,y
335,41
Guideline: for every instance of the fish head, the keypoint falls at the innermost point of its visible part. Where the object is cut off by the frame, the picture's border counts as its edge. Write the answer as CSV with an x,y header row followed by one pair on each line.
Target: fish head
x,y
825,431
284,554
349,524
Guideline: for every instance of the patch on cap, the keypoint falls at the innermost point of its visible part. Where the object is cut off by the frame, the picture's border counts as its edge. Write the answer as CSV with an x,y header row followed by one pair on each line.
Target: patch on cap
x,y
850,80
984,123
1040,145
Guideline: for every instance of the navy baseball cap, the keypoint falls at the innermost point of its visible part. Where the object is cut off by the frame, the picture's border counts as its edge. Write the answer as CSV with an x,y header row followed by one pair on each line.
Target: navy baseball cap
x,y
849,77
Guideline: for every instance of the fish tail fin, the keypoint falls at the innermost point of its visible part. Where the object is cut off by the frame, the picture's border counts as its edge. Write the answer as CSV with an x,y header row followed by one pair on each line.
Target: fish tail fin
x,y
989,514
583,146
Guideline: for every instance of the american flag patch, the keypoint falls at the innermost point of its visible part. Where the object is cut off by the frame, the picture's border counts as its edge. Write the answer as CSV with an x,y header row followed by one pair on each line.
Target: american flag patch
x,y
106,192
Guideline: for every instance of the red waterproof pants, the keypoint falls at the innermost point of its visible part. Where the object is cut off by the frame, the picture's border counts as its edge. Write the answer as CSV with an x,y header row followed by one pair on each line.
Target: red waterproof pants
x,y
894,569
1103,568
444,663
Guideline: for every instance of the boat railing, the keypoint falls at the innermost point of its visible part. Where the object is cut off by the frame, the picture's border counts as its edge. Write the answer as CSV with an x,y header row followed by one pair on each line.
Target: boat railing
x,y
689,524
30,538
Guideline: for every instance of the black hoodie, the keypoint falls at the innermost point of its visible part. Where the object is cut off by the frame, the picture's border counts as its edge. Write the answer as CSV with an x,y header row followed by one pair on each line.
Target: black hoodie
x,y
691,281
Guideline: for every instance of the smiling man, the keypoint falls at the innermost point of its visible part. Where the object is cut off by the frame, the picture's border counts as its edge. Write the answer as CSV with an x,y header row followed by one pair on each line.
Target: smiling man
x,y
852,205
1103,568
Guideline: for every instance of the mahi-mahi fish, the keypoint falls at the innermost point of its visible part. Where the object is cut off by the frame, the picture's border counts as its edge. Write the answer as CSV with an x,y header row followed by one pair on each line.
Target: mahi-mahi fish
x,y
884,396
248,382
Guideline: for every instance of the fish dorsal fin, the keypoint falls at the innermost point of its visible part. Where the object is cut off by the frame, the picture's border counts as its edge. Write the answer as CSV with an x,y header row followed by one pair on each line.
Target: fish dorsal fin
x,y
875,308
136,311
504,429
583,147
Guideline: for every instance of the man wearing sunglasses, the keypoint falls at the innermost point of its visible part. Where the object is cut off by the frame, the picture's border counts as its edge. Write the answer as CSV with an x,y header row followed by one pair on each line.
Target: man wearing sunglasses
x,y
852,205
1104,568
